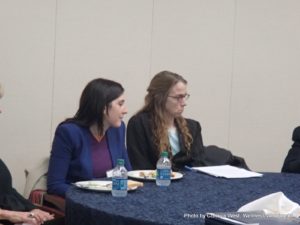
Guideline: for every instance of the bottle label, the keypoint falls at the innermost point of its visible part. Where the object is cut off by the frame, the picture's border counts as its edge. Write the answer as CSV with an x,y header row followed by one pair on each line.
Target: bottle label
x,y
119,184
163,174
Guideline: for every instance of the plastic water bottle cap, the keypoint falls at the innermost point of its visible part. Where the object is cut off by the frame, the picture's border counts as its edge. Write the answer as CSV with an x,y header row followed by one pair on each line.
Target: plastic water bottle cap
x,y
164,154
120,162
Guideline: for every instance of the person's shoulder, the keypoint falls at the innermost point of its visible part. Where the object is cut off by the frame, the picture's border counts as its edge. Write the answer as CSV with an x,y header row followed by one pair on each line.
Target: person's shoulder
x,y
139,121
117,129
70,127
296,134
193,125
139,117
192,122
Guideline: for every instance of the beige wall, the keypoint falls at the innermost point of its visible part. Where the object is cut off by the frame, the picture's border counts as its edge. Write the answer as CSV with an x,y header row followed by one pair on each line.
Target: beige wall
x,y
239,56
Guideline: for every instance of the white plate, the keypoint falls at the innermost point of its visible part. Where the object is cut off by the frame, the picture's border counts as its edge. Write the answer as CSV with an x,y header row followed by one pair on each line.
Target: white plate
x,y
150,175
98,185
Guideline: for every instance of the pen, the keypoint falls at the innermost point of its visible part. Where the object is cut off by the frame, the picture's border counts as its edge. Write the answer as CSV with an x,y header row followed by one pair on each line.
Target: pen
x,y
189,168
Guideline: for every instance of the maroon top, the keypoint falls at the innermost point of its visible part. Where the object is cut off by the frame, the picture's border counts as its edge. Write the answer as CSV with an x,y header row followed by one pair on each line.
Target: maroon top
x,y
101,158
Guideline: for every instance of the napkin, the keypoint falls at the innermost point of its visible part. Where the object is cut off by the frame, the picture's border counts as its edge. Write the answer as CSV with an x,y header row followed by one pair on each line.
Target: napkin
x,y
133,184
275,203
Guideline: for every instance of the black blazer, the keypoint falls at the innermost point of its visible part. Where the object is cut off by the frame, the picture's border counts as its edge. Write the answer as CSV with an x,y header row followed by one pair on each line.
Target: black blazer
x,y
144,155
292,161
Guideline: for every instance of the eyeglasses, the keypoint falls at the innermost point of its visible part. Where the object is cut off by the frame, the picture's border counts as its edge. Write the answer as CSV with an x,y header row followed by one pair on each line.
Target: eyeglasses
x,y
181,97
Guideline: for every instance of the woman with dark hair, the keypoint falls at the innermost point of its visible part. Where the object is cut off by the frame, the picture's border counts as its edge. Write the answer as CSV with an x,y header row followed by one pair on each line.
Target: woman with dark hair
x,y
89,144
160,126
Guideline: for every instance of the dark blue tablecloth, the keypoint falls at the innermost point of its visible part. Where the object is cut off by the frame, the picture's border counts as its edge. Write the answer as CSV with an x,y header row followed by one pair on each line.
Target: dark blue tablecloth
x,y
184,202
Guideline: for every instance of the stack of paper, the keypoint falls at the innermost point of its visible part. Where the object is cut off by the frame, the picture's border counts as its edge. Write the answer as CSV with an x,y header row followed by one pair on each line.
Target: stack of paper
x,y
227,171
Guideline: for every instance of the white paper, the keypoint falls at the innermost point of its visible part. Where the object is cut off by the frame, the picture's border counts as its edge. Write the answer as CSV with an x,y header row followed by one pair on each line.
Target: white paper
x,y
109,173
227,171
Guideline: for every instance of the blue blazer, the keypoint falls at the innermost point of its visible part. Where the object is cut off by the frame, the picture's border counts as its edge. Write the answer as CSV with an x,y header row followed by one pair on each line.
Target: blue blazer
x,y
70,159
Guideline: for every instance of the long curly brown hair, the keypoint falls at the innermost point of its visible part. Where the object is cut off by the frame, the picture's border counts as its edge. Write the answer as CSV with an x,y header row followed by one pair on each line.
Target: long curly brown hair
x,y
155,105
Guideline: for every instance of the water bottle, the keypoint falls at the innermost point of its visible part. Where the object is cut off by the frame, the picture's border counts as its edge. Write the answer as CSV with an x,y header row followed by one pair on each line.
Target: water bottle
x,y
163,170
119,180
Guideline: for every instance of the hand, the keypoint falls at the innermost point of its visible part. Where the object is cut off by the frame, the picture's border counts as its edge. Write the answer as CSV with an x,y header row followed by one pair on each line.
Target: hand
x,y
17,217
40,216
35,217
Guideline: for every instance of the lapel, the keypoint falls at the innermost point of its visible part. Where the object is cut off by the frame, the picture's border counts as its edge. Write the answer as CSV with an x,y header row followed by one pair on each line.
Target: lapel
x,y
111,143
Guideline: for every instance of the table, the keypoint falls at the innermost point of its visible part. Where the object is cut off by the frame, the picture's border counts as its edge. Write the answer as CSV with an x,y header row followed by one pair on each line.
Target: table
x,y
184,202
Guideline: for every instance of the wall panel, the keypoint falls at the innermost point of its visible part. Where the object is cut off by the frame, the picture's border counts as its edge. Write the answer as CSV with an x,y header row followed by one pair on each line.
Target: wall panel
x,y
108,39
194,38
26,63
266,76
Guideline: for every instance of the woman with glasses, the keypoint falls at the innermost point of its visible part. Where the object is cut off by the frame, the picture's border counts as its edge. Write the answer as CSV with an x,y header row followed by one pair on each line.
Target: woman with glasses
x,y
160,126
